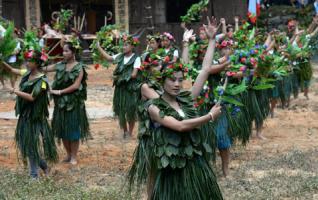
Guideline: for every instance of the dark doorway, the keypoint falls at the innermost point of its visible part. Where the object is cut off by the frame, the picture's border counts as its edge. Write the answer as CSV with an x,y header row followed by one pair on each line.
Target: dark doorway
x,y
14,10
95,11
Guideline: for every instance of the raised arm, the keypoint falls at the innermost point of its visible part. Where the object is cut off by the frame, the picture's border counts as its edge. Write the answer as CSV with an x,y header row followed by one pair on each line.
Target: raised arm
x,y
236,20
188,34
72,87
223,23
184,125
104,54
11,69
211,30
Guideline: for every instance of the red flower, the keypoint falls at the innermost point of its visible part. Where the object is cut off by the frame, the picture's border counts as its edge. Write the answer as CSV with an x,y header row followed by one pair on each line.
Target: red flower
x,y
135,40
230,73
262,57
97,66
145,63
207,95
155,62
253,61
243,60
243,68
28,54
44,57
167,59
170,67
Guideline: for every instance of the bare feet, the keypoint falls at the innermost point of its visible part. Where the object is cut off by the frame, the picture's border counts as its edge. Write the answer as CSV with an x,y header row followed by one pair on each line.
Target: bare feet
x,y
127,135
260,136
73,161
67,159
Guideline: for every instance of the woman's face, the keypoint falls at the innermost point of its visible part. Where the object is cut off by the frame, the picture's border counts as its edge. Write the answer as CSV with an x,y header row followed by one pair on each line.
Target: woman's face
x,y
202,35
127,48
67,53
166,42
153,44
173,85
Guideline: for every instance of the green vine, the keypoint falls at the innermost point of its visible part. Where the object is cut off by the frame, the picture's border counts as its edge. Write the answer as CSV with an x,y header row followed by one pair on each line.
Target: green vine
x,y
194,11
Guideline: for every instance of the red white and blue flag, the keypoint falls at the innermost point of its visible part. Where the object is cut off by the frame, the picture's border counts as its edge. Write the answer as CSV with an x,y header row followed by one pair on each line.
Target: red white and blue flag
x,y
254,10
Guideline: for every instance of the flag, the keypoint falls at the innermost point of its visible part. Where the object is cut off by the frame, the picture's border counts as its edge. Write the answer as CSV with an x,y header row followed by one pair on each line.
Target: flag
x,y
252,11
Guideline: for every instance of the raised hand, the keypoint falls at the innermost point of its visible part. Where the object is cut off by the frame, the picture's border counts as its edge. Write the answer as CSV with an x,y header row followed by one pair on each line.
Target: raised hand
x,y
222,21
188,34
212,27
236,19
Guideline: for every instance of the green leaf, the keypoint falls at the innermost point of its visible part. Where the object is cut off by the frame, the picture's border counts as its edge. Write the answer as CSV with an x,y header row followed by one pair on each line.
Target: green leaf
x,y
207,148
231,100
164,161
172,138
159,151
189,150
195,138
181,162
263,87
171,150
161,114
197,152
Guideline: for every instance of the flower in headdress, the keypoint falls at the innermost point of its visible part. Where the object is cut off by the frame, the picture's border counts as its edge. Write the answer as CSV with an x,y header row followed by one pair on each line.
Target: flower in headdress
x,y
230,74
243,60
253,61
169,36
44,56
167,59
243,68
28,54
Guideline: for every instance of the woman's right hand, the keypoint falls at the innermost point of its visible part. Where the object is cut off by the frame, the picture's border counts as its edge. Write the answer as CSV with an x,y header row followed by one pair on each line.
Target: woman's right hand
x,y
216,111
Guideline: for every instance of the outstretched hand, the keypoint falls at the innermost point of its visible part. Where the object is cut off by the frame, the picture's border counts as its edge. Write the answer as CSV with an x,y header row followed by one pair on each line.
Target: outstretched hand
x,y
188,34
212,28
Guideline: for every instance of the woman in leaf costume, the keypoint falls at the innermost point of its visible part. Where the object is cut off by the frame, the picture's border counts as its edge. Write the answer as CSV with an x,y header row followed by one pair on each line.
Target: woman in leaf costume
x,y
150,89
179,167
213,134
126,92
70,122
33,136
171,52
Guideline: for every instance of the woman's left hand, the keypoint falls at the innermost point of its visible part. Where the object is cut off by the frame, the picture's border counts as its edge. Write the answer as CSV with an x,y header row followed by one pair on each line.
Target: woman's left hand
x,y
188,34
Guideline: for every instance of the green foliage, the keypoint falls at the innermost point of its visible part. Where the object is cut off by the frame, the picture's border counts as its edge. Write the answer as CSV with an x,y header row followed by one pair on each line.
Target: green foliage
x,y
194,11
7,43
108,42
63,19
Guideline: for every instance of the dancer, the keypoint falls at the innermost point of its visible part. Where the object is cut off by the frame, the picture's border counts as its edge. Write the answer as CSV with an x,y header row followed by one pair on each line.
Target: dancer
x,y
70,122
33,135
126,95
182,172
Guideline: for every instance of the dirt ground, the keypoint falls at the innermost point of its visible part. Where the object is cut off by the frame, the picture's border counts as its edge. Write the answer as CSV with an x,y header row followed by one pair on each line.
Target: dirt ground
x,y
104,159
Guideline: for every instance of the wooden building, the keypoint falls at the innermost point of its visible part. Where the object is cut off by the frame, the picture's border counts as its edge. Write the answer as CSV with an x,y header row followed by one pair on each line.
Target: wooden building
x,y
153,15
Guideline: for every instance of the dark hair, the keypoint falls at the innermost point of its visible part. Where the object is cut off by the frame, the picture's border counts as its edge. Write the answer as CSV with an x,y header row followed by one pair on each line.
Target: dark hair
x,y
71,47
